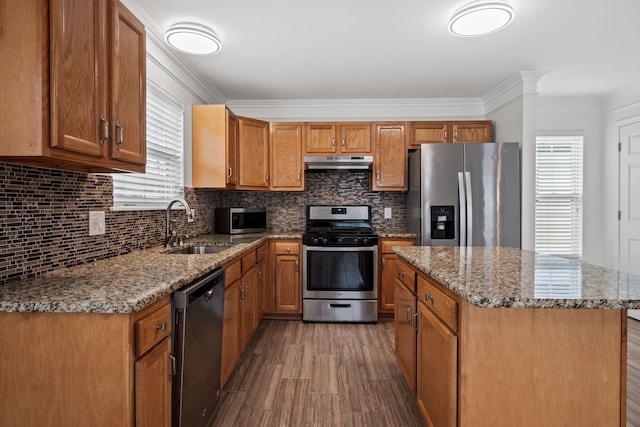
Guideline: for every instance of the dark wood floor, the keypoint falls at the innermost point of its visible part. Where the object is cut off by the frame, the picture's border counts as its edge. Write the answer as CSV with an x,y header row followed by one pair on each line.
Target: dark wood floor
x,y
297,374
318,374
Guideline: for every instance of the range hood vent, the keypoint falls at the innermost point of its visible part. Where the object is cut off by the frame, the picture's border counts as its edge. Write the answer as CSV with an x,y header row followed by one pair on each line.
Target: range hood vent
x,y
338,162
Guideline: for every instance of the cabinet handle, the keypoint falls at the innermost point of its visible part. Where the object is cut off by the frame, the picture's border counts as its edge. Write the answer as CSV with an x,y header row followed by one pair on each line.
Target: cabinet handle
x,y
382,265
445,136
333,141
343,144
230,173
407,314
415,321
105,129
266,176
400,274
378,176
428,297
299,176
455,134
172,360
242,295
162,326
297,266
120,131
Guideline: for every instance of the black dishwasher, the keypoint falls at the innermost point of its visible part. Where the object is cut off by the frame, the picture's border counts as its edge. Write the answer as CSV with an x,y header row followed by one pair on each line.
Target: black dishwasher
x,y
197,341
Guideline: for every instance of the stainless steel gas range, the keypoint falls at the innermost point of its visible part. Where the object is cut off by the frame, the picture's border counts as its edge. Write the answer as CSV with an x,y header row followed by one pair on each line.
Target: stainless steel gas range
x,y
340,265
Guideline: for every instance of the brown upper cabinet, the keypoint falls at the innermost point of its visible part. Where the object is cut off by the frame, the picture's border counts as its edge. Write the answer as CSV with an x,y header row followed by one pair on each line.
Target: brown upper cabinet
x,y
285,156
253,154
74,96
214,147
338,138
390,158
463,131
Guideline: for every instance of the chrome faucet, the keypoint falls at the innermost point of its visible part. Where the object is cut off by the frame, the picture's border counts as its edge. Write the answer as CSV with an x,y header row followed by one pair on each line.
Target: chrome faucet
x,y
170,237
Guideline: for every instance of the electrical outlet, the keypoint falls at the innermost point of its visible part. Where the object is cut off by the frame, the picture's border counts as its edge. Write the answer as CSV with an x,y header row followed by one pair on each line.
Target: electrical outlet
x,y
387,213
96,223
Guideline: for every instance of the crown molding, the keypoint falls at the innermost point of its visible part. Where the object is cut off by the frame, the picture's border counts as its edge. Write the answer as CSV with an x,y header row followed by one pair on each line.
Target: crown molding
x,y
574,105
519,84
622,100
359,109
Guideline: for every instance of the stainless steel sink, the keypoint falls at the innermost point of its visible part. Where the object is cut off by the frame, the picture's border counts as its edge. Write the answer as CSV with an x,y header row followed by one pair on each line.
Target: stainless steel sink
x,y
199,250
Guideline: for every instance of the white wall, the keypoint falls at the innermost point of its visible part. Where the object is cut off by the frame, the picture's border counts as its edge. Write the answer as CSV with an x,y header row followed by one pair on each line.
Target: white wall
x,y
583,116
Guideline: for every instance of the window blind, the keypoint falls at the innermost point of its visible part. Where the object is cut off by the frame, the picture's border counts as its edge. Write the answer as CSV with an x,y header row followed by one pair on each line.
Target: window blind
x,y
163,179
558,208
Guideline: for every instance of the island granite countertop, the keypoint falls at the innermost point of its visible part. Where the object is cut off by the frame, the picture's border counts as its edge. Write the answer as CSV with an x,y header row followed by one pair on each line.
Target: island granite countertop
x,y
125,283
515,278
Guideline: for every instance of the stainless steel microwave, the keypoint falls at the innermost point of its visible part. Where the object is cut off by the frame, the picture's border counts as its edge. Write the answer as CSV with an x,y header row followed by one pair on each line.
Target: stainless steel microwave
x,y
240,220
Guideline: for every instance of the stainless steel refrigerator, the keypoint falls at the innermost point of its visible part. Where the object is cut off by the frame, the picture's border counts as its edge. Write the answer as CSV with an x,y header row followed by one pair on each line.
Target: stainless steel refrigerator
x,y
465,194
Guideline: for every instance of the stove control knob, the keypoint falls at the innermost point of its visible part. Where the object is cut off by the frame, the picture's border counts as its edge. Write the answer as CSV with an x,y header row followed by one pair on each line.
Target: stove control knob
x,y
340,239
355,240
314,240
324,240
365,241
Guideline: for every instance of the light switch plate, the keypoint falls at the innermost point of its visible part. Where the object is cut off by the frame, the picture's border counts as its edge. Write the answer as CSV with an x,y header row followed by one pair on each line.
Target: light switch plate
x,y
96,223
387,213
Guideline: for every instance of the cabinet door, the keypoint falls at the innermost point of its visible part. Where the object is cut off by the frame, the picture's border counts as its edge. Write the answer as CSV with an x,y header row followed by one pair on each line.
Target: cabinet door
x,y
390,163
153,387
260,282
79,76
288,291
387,282
249,296
231,332
405,334
253,154
355,138
321,138
437,370
128,87
428,132
480,131
286,157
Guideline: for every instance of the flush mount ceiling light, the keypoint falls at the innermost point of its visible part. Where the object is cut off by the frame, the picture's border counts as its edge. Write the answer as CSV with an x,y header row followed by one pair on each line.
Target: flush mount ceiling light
x,y
193,38
480,17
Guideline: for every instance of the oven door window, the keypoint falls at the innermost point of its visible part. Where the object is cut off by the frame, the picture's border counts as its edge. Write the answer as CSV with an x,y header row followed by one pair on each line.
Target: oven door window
x,y
340,270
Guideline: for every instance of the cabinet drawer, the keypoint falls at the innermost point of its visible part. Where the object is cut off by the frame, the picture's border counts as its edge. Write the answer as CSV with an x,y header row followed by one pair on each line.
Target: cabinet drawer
x,y
248,261
284,248
406,275
386,245
152,328
445,307
232,272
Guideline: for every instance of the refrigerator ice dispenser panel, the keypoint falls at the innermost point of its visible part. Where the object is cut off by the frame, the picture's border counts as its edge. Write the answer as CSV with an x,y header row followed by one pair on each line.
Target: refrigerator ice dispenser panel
x,y
443,222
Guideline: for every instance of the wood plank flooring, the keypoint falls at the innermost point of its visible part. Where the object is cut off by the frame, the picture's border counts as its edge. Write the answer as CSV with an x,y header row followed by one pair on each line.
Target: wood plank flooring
x,y
318,374
633,373
297,374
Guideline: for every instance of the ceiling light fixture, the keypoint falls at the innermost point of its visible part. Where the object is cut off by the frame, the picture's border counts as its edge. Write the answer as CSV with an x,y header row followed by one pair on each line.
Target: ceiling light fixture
x,y
193,38
480,17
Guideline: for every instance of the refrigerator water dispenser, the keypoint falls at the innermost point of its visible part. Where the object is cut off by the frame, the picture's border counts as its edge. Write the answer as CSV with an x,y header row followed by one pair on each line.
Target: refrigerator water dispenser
x,y
442,222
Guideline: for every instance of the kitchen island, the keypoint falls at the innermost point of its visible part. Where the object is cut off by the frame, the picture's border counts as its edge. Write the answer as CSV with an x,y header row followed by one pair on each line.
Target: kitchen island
x,y
510,337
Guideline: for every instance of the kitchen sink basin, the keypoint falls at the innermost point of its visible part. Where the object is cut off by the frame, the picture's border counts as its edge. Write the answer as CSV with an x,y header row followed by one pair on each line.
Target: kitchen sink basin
x,y
198,250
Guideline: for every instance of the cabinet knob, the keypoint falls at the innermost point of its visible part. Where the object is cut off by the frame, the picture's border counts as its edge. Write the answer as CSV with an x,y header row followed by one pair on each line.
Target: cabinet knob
x,y
162,326
288,249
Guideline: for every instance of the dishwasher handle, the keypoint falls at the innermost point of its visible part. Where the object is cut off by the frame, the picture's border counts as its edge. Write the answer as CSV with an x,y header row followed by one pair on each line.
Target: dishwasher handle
x,y
202,286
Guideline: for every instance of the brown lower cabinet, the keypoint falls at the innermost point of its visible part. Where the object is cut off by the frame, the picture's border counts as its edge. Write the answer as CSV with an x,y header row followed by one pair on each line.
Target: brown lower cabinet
x,y
283,293
508,366
243,306
387,272
91,369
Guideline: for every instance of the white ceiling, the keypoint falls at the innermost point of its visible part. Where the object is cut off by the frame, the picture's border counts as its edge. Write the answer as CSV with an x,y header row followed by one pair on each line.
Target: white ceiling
x,y
360,49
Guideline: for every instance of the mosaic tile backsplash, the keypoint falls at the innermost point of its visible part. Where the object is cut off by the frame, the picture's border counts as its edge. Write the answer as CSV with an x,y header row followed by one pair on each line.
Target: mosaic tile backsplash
x,y
44,214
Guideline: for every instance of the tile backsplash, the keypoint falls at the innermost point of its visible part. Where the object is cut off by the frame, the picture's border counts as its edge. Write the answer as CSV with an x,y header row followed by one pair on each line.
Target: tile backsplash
x,y
44,214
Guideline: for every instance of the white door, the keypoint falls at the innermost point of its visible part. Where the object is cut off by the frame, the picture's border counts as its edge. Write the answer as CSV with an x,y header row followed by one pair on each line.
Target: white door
x,y
629,187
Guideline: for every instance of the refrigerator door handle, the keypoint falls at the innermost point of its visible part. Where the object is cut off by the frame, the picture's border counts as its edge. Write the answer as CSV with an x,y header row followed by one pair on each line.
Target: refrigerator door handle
x,y
462,210
467,176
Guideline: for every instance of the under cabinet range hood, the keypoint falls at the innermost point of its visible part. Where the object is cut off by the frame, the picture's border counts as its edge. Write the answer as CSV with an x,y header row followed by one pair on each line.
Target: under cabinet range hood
x,y
338,162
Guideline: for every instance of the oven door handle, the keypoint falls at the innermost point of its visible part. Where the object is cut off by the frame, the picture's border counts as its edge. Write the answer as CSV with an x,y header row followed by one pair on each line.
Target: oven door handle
x,y
373,248
338,305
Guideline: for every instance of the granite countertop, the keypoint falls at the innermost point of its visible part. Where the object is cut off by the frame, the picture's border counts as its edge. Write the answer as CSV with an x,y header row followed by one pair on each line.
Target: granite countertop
x,y
126,283
515,278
